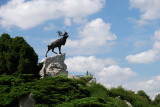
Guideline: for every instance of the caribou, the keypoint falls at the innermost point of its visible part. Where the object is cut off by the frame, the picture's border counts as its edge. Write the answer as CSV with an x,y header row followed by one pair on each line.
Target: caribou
x,y
58,43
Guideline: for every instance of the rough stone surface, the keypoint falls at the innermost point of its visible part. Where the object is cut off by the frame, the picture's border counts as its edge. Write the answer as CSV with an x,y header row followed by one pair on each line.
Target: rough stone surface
x,y
76,77
93,80
128,103
70,76
52,66
27,101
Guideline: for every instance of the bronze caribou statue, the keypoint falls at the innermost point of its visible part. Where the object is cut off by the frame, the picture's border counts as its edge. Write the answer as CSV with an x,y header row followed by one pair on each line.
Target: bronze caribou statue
x,y
58,43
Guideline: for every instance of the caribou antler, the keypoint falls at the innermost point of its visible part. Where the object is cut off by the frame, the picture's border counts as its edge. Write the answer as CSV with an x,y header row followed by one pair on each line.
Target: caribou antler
x,y
60,33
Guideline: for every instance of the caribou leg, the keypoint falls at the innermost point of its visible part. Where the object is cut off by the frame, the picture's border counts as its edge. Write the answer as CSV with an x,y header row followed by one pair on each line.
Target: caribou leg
x,y
59,50
53,51
47,52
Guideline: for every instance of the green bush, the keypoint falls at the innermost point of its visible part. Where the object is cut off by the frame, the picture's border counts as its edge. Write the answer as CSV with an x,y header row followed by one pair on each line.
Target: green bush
x,y
98,90
41,105
11,89
130,96
81,81
64,92
46,91
10,80
94,102
88,78
63,75
85,102
55,90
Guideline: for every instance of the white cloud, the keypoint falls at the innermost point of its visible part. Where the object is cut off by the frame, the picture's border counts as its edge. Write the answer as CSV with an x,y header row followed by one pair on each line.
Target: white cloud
x,y
28,14
49,27
91,64
106,70
113,75
147,56
157,35
67,22
94,37
150,86
108,73
96,31
148,8
80,20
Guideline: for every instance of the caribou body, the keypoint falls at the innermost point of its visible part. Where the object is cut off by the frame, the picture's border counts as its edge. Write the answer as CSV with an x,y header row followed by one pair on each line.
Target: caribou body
x,y
58,43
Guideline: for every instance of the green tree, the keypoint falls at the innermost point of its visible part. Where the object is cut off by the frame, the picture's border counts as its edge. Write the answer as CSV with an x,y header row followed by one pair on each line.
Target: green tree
x,y
4,47
157,99
144,95
17,56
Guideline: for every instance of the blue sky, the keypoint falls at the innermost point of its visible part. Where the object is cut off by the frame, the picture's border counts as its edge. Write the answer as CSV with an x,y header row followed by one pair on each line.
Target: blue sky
x,y
116,40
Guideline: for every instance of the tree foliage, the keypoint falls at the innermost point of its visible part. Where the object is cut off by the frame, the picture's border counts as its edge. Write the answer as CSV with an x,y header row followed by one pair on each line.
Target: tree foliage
x,y
143,95
47,91
157,99
11,89
17,56
130,96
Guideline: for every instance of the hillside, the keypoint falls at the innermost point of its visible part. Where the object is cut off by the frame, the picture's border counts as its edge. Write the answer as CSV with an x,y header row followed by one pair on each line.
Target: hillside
x,y
19,77
63,92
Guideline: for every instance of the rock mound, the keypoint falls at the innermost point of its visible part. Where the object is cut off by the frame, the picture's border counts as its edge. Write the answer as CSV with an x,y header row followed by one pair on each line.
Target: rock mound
x,y
54,65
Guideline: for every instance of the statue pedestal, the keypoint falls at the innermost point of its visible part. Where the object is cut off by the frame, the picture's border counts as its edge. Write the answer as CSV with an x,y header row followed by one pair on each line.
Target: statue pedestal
x,y
54,65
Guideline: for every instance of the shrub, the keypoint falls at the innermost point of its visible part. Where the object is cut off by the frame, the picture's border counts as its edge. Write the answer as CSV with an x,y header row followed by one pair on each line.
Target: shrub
x,y
85,102
88,76
94,102
47,91
98,90
63,75
11,88
130,96
55,90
